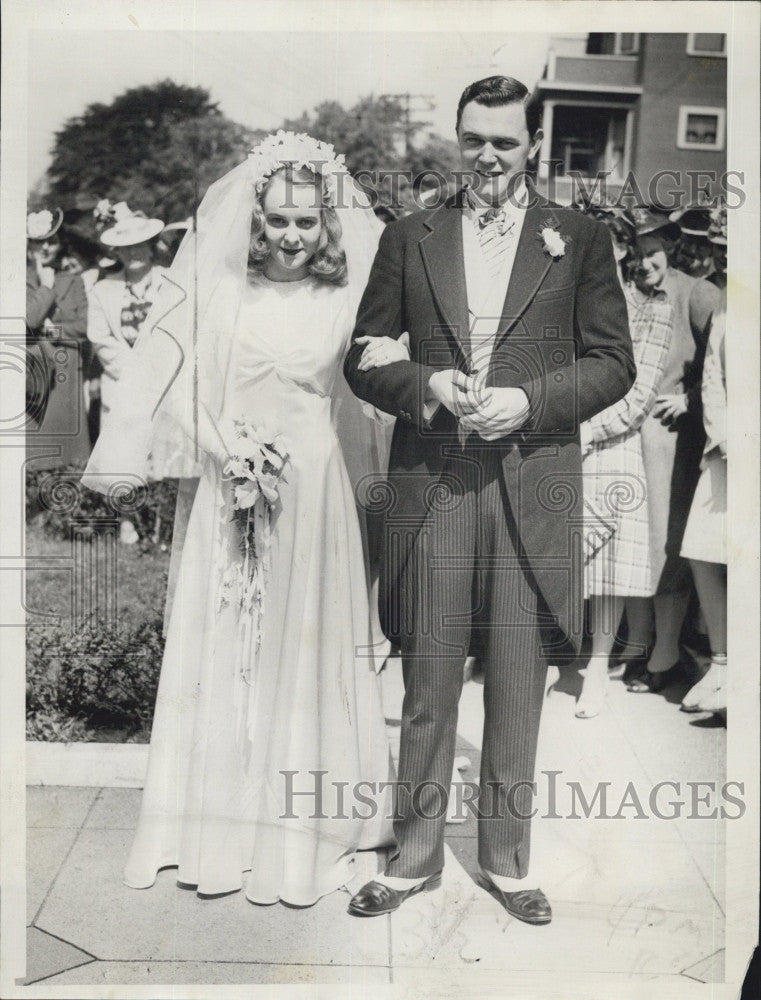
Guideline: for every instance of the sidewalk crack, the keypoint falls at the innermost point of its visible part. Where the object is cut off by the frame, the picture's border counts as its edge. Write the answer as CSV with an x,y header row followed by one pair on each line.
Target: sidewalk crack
x,y
60,869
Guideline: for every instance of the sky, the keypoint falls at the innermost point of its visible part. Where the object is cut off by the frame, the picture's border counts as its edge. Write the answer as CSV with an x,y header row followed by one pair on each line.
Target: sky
x,y
260,78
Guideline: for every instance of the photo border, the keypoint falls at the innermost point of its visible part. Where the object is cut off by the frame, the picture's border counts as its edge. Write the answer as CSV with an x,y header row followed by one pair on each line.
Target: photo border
x,y
740,21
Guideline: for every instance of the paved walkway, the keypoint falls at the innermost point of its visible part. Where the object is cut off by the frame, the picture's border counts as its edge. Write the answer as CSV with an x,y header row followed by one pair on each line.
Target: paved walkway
x,y
633,896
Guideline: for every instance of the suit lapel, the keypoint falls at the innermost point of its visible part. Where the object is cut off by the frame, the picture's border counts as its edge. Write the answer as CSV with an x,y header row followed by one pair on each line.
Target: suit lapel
x,y
530,267
441,250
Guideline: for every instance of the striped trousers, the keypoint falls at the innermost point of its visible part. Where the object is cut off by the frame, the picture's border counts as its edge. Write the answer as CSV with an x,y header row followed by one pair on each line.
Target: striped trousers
x,y
467,587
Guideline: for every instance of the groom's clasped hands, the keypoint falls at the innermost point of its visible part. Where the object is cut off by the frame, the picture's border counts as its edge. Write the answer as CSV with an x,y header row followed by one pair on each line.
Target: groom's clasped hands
x,y
492,412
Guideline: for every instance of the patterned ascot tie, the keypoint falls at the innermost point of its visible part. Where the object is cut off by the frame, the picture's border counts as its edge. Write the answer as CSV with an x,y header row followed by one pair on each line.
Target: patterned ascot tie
x,y
495,234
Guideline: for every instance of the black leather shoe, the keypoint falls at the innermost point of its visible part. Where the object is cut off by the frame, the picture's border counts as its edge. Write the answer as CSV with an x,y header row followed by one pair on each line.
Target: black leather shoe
x,y
375,898
529,905
659,682
639,682
635,669
655,683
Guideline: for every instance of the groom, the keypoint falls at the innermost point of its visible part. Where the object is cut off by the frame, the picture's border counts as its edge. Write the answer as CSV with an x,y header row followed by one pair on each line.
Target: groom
x,y
518,332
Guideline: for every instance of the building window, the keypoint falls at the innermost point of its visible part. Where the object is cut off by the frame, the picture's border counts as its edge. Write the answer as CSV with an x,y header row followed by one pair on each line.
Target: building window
x,y
627,44
612,44
589,140
701,128
707,45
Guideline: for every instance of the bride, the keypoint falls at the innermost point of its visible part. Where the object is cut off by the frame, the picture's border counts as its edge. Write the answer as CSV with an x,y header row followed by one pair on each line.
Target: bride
x,y
268,713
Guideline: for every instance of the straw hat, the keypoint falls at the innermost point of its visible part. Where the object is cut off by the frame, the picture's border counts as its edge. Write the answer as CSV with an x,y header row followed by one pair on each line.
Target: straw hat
x,y
693,220
131,230
177,226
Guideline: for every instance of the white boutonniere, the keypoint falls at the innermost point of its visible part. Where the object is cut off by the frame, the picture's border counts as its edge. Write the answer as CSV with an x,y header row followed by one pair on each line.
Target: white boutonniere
x,y
554,243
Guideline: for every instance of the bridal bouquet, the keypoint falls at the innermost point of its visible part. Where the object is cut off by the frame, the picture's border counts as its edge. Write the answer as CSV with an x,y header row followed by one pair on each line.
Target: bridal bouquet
x,y
255,472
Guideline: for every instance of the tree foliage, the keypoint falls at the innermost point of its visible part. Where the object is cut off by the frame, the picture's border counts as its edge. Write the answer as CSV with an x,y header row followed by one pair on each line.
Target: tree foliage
x,y
157,148
375,136
365,134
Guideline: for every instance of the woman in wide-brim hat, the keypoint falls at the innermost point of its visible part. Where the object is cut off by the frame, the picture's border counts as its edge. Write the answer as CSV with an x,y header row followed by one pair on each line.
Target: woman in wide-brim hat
x,y
705,541
56,315
672,441
119,307
120,302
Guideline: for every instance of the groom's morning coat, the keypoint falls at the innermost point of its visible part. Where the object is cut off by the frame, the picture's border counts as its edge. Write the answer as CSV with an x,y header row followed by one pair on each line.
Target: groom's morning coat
x,y
563,338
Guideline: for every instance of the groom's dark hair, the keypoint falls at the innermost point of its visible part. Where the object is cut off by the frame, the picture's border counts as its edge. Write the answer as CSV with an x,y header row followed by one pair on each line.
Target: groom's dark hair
x,y
494,91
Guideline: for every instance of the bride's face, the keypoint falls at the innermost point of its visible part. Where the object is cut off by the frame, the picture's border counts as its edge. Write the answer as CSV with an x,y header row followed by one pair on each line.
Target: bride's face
x,y
292,228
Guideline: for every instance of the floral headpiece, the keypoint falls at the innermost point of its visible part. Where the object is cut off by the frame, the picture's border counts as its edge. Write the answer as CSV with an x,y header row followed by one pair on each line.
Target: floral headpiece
x,y
299,150
107,213
717,230
44,224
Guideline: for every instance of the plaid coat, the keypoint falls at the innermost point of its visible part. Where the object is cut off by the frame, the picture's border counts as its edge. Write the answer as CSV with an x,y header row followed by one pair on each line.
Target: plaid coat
x,y
614,471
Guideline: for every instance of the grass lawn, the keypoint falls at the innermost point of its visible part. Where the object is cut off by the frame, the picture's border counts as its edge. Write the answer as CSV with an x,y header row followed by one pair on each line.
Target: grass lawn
x,y
140,579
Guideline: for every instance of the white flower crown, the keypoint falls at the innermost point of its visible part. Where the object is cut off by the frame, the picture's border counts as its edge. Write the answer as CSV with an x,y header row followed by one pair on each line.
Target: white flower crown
x,y
299,150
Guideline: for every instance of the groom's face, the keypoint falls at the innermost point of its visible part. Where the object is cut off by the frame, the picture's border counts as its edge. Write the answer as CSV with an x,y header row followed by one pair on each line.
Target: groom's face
x,y
495,145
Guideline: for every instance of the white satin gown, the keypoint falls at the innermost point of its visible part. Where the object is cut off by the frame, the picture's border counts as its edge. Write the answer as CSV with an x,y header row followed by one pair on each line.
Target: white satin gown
x,y
216,802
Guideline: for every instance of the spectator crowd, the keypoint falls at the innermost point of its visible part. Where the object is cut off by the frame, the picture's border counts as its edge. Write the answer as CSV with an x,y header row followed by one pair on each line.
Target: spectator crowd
x,y
654,464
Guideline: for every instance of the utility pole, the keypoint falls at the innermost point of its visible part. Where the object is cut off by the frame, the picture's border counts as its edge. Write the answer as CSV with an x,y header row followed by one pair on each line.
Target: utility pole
x,y
409,127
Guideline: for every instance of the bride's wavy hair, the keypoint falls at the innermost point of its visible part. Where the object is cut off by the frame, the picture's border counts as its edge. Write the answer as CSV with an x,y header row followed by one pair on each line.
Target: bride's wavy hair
x,y
329,261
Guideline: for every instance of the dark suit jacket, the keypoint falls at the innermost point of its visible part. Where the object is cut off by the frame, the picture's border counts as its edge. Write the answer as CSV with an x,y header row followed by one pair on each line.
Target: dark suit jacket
x,y
563,338
66,305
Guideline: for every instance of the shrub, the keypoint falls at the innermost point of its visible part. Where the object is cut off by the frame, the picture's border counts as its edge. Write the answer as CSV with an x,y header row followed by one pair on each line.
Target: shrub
x,y
53,726
55,499
94,675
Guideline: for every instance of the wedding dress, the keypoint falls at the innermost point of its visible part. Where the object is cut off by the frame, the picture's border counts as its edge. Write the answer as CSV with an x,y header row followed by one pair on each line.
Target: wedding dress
x,y
269,765
254,787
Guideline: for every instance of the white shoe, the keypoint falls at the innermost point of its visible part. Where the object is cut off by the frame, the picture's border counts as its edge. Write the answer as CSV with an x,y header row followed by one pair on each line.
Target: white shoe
x,y
714,701
593,695
706,688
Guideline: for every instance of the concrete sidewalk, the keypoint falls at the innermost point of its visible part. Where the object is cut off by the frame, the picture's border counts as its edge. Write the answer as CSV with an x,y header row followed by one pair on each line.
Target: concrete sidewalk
x,y
636,896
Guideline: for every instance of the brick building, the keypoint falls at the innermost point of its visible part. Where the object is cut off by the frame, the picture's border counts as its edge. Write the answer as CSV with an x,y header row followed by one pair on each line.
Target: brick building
x,y
633,105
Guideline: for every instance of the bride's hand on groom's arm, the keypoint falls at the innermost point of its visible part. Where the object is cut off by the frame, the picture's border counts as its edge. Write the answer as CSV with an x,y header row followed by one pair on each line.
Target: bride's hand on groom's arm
x,y
381,351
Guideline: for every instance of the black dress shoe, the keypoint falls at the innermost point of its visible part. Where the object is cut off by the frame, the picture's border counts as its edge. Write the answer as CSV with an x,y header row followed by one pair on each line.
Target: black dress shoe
x,y
655,683
635,669
529,905
375,898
